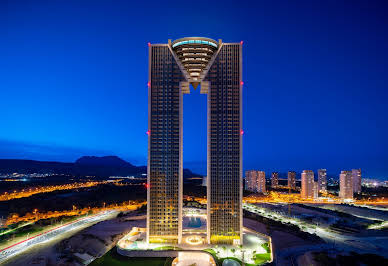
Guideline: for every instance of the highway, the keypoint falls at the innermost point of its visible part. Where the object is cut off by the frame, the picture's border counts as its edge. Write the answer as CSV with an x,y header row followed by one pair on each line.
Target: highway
x,y
17,248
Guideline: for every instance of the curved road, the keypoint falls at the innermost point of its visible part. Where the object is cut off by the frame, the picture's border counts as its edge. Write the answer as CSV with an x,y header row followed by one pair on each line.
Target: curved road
x,y
12,250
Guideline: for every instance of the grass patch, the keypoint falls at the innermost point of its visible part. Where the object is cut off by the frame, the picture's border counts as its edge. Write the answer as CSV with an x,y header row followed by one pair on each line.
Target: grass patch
x,y
21,232
211,251
266,247
261,258
112,258
257,258
31,228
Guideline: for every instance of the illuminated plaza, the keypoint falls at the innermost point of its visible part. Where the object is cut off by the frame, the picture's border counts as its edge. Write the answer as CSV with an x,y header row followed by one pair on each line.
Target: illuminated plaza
x,y
194,247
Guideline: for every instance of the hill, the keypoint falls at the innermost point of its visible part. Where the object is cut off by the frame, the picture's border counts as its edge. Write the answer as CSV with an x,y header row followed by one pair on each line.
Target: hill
x,y
85,166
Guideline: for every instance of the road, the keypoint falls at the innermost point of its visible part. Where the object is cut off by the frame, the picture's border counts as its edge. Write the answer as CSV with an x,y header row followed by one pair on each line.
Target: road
x,y
17,248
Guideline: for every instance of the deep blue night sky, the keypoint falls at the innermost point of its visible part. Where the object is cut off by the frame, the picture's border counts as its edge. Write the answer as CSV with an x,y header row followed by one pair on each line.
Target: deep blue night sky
x,y
73,80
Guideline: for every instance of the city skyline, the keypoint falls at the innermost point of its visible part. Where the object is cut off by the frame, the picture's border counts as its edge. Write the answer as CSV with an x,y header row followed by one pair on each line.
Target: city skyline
x,y
73,97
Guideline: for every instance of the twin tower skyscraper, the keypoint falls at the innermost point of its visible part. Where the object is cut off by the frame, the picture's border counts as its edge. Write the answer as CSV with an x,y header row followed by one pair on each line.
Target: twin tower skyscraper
x,y
217,68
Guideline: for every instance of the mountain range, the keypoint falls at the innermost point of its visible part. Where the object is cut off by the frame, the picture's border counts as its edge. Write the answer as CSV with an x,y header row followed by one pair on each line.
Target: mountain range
x,y
104,166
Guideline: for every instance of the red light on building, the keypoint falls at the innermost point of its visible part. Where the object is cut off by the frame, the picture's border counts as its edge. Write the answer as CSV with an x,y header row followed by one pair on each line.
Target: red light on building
x,y
149,84
147,185
241,132
148,132
241,42
149,44
241,83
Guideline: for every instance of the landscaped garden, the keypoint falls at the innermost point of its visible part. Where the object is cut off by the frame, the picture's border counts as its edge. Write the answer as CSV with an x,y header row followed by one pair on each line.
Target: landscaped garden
x,y
251,257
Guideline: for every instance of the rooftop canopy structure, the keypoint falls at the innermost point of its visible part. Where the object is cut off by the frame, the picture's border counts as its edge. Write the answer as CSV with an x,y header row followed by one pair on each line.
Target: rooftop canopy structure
x,y
194,55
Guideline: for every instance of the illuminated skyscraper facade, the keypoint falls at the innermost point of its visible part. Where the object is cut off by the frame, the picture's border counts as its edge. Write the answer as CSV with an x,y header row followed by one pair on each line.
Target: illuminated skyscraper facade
x,y
307,190
164,194
217,68
346,185
356,175
261,182
322,180
251,180
274,179
255,181
291,179
316,190
224,143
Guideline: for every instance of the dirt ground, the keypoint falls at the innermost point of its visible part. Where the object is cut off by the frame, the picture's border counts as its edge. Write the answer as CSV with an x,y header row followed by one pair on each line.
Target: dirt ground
x,y
280,239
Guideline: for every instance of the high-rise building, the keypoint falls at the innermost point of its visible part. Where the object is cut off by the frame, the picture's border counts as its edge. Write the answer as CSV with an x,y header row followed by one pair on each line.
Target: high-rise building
x,y
346,185
164,194
307,191
322,180
261,182
274,179
217,68
291,178
223,84
255,181
251,180
356,175
316,190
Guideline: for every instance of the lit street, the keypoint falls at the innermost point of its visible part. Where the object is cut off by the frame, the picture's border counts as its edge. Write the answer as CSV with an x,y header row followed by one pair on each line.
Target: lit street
x,y
22,246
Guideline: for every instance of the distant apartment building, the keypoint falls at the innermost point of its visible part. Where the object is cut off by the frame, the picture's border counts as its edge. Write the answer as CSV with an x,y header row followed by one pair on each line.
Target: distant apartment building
x,y
255,181
322,180
346,185
291,177
274,179
316,190
261,181
356,175
250,180
307,191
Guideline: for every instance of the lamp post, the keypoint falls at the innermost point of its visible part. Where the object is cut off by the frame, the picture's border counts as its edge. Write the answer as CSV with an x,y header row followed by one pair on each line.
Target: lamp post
x,y
242,256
